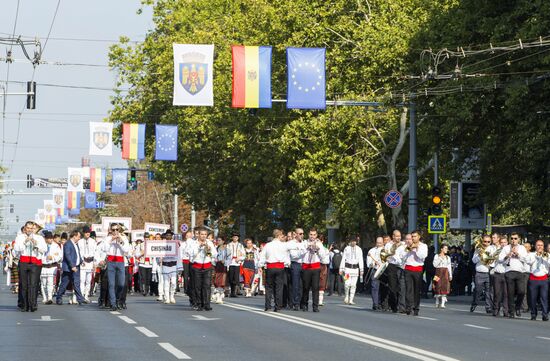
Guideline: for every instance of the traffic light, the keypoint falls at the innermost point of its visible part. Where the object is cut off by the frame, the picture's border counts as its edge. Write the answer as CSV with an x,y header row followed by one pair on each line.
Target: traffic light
x,y
133,180
31,98
30,181
436,201
11,208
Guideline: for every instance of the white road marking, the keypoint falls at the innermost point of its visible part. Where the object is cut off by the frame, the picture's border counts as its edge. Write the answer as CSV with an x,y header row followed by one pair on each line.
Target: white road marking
x,y
352,306
146,332
115,313
544,338
174,351
427,318
202,318
476,326
47,319
379,342
127,320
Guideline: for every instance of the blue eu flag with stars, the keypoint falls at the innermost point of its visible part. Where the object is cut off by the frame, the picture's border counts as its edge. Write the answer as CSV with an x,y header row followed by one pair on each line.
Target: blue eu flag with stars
x,y
90,199
166,142
306,78
120,181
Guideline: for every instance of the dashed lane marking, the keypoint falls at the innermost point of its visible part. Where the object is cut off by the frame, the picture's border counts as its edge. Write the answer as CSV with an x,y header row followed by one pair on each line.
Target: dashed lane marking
x,y
174,351
146,331
476,326
544,338
115,313
427,318
127,320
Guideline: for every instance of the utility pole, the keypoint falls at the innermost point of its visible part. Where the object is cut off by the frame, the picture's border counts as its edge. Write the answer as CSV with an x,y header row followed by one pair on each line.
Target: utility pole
x,y
175,222
413,182
436,184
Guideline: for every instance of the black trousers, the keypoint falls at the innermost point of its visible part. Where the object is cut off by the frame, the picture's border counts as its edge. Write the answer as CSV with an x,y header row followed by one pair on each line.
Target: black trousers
x,y
29,276
145,275
274,280
538,290
104,289
192,291
310,281
187,279
335,283
500,293
234,277
392,273
296,281
202,278
515,282
413,282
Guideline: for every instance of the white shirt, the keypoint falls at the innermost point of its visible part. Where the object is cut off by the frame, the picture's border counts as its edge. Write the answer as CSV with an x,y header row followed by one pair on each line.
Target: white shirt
x,y
296,252
54,251
443,262
313,251
538,266
480,266
352,256
22,247
514,263
396,258
235,253
374,255
87,250
113,248
415,257
198,253
500,265
275,252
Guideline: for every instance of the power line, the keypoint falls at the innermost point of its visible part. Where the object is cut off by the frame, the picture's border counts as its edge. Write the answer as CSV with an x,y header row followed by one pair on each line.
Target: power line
x,y
82,39
56,63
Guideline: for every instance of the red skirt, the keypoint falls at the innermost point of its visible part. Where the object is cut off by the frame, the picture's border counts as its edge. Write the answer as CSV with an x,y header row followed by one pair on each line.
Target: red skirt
x,y
248,277
443,286
323,277
220,274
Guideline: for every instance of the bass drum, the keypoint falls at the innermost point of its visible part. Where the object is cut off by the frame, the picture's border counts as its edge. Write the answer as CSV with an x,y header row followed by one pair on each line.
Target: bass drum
x,y
380,270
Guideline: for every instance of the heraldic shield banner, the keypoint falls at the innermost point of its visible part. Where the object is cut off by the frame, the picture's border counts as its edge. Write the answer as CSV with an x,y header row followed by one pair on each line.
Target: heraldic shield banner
x,y
101,138
75,180
193,74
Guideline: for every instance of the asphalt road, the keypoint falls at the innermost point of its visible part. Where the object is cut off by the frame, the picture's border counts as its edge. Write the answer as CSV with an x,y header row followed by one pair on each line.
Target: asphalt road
x,y
241,330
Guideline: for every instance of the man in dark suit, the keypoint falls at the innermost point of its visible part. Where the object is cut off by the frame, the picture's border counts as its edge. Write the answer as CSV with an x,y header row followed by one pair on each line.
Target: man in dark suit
x,y
71,269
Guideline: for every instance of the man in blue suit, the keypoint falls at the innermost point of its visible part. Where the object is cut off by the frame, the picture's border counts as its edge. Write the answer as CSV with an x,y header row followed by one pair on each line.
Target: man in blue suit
x,y
71,269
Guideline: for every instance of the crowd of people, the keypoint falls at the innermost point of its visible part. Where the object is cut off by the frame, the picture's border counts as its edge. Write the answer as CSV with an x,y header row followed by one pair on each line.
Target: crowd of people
x,y
289,270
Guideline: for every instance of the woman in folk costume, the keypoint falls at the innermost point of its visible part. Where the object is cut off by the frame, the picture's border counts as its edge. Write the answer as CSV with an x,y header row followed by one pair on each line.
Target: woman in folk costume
x,y
251,259
12,265
220,272
443,276
323,277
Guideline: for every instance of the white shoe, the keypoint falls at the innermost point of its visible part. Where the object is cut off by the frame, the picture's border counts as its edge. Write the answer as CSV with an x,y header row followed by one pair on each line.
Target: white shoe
x,y
160,299
351,302
443,301
346,301
173,300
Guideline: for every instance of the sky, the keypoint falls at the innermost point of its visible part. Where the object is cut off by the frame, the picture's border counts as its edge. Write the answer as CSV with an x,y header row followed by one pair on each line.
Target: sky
x,y
45,141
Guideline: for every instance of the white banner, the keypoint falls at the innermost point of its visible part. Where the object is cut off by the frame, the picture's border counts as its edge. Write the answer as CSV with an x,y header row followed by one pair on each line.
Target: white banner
x,y
193,74
40,217
58,198
75,180
154,228
101,138
107,221
161,248
97,227
49,209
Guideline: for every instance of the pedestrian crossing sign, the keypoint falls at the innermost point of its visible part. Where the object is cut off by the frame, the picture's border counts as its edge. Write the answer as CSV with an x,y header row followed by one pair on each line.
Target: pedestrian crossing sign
x,y
437,224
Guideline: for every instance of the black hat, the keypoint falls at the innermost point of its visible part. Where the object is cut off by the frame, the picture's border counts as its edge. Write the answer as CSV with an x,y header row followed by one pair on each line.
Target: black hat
x,y
93,234
86,229
146,235
233,234
169,232
47,234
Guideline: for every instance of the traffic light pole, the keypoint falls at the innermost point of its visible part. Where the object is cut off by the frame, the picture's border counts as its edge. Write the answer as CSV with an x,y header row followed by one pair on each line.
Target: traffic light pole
x,y
413,181
436,184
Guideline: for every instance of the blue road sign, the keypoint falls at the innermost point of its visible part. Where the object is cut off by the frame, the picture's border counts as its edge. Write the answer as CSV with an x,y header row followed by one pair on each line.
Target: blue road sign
x,y
393,199
437,224
100,204
184,228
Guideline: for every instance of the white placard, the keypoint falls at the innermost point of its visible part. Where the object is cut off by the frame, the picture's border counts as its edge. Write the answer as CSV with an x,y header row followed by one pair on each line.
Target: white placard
x,y
97,227
161,248
154,228
107,221
137,234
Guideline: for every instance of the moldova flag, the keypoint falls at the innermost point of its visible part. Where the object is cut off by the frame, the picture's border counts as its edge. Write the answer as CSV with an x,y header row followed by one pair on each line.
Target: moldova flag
x,y
133,141
73,200
97,180
251,76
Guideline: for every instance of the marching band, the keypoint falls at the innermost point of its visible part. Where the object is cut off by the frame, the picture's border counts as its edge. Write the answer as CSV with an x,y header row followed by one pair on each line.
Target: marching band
x,y
506,274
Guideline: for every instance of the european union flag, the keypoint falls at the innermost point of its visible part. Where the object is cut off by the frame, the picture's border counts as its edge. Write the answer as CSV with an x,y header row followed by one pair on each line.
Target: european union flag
x,y
119,183
306,78
90,199
166,142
